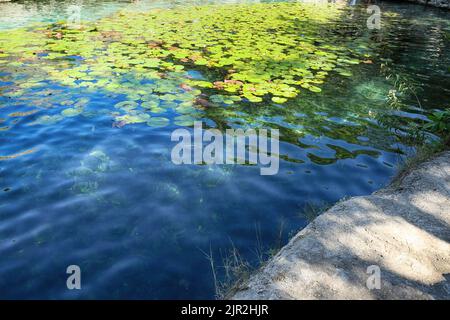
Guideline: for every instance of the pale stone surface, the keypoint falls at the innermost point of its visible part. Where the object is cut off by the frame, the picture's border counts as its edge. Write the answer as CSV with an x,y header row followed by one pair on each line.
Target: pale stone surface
x,y
404,229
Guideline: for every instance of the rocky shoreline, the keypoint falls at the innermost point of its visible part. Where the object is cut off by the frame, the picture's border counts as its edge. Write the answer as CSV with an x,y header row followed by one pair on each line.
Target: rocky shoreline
x,y
393,244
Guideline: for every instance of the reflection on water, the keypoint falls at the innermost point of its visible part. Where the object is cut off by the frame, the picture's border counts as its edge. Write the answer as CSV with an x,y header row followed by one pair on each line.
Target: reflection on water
x,y
85,170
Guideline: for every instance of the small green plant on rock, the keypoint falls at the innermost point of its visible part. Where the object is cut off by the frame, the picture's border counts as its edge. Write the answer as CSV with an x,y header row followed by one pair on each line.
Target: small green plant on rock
x,y
440,125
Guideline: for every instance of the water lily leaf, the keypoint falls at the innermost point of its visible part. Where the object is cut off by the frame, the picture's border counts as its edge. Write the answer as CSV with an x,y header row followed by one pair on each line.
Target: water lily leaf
x,y
186,109
289,94
151,63
314,89
279,100
235,98
150,104
67,103
158,122
346,73
169,104
168,97
71,112
126,105
253,98
157,110
184,121
46,120
133,118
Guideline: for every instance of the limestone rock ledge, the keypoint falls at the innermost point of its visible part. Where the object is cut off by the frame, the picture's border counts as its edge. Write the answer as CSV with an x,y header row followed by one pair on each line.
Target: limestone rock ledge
x,y
404,230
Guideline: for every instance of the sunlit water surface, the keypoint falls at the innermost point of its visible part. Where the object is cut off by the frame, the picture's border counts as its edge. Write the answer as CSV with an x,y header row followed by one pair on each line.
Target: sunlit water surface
x,y
110,200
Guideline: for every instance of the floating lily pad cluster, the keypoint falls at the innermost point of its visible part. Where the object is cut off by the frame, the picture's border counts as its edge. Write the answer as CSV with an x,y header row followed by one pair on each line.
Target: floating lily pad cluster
x,y
250,53
256,50
227,65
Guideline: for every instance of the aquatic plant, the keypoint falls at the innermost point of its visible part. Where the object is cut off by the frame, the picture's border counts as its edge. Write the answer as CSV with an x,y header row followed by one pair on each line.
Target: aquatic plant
x,y
144,56
248,66
440,124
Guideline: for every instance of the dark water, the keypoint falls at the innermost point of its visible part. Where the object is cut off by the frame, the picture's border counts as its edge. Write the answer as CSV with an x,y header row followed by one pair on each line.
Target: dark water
x,y
111,201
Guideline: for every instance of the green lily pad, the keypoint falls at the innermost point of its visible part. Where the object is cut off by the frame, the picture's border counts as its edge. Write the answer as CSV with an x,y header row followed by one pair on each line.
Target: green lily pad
x,y
314,89
158,122
150,104
133,118
126,105
71,112
279,100
46,120
184,121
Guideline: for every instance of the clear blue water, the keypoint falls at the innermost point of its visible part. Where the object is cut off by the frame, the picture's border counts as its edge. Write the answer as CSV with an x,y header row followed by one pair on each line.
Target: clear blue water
x,y
111,201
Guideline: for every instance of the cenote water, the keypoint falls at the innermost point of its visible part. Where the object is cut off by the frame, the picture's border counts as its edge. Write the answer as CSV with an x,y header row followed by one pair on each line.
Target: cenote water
x,y
86,116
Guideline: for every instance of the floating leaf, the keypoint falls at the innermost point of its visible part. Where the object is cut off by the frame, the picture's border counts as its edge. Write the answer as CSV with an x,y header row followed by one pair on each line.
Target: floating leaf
x,y
279,100
126,105
150,104
133,118
46,120
184,121
71,112
314,89
158,122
